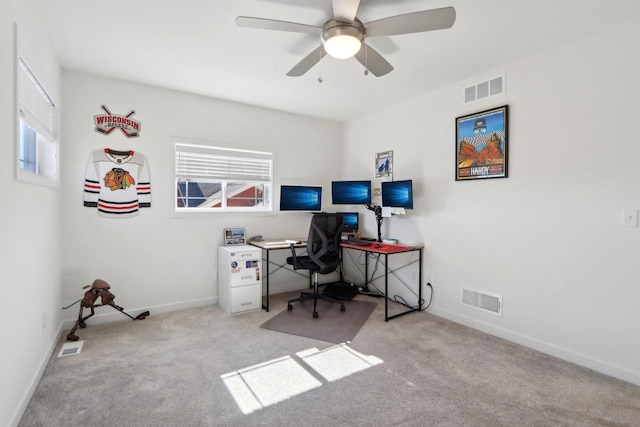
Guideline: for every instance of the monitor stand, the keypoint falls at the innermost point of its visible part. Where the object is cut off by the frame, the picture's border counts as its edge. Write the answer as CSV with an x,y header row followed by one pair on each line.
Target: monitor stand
x,y
377,210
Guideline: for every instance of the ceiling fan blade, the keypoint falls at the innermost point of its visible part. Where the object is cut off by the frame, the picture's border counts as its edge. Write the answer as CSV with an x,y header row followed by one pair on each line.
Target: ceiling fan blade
x,y
373,61
272,24
307,62
416,22
345,10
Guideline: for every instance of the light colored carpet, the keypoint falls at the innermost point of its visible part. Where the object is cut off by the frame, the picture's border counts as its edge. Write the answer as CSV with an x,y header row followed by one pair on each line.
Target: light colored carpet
x,y
332,325
185,368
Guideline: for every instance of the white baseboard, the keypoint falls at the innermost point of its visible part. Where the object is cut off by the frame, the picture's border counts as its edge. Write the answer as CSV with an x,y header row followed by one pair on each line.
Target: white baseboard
x,y
35,380
542,346
109,314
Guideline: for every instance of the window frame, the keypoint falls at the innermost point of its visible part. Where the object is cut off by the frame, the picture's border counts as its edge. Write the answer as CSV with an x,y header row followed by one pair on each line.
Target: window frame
x,y
35,109
223,153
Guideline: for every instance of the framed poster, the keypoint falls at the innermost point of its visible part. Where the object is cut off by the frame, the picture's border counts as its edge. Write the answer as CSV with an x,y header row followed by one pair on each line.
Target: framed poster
x,y
384,165
234,236
481,144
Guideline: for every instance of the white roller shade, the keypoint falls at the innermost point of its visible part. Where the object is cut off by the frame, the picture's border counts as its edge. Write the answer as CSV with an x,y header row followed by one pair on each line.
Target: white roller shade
x,y
34,102
215,163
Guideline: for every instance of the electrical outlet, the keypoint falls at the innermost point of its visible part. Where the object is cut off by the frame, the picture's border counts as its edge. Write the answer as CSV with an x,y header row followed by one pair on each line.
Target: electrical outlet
x,y
629,217
414,277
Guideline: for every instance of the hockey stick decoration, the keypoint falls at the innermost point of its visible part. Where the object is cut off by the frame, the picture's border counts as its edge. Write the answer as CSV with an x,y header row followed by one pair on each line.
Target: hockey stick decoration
x,y
107,123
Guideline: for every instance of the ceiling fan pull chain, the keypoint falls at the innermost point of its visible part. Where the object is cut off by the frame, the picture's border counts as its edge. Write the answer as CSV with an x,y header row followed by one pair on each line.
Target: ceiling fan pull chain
x,y
320,54
366,64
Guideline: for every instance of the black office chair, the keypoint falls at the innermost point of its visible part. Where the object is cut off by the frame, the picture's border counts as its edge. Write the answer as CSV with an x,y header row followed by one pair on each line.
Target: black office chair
x,y
323,256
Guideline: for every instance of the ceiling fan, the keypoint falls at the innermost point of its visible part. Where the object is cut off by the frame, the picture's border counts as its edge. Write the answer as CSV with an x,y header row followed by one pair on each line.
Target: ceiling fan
x,y
345,35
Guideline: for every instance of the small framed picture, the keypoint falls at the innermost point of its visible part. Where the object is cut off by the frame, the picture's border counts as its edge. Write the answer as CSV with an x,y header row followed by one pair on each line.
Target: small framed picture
x,y
384,165
234,236
481,144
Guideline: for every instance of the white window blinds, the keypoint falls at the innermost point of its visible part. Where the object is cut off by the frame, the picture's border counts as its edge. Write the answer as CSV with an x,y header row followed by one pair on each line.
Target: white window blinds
x,y
202,163
34,102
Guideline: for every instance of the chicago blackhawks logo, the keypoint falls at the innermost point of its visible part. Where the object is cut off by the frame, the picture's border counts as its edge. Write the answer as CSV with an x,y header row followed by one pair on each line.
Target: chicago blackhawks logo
x,y
118,179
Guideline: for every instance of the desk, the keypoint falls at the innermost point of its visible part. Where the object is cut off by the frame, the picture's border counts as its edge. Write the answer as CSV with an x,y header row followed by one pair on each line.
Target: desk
x,y
267,246
386,250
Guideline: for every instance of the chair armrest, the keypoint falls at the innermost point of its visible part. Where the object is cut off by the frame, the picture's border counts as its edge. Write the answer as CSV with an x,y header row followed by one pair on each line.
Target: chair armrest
x,y
294,256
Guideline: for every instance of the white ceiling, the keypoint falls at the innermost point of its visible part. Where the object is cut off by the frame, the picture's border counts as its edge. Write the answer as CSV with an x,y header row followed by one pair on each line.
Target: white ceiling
x,y
195,46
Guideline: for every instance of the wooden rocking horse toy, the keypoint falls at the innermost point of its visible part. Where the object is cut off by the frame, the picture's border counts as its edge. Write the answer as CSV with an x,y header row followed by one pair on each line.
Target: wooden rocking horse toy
x,y
98,289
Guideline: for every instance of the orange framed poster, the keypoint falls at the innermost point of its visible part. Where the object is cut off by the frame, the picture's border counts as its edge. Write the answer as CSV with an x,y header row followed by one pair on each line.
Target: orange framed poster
x,y
481,144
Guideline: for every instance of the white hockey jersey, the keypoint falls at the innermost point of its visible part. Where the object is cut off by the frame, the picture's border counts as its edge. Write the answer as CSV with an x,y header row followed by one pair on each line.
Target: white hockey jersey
x,y
117,183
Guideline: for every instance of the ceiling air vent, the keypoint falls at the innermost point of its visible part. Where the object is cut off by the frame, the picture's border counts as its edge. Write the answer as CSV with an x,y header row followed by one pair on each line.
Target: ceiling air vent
x,y
485,89
481,301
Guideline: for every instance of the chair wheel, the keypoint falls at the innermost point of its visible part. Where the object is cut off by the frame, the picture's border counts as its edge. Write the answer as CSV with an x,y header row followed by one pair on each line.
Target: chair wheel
x,y
315,314
342,308
289,307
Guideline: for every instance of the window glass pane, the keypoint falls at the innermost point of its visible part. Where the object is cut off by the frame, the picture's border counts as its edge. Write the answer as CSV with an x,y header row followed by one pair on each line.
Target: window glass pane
x,y
245,194
47,158
195,194
27,159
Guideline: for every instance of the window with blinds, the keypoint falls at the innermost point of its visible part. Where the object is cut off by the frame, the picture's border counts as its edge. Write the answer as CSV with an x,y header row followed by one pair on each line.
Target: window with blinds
x,y
37,137
219,179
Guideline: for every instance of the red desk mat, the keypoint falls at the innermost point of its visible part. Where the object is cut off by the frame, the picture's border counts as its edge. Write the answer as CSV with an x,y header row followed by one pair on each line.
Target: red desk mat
x,y
384,248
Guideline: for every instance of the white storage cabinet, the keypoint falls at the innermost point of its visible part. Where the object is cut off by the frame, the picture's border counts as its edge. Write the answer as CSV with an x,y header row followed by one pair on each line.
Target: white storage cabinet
x,y
240,283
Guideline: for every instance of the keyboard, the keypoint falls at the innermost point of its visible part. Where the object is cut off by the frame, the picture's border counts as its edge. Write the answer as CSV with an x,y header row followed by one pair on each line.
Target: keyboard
x,y
276,243
357,242
283,242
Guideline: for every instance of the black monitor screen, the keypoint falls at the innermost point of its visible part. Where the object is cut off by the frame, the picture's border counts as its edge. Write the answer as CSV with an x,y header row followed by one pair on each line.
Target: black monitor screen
x,y
300,198
351,192
397,194
349,222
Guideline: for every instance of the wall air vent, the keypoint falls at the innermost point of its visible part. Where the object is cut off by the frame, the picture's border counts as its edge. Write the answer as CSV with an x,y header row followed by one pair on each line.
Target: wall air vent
x,y
482,301
485,89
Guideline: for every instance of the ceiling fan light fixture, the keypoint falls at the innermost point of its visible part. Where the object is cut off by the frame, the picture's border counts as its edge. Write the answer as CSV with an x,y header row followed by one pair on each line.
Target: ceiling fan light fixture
x,y
342,40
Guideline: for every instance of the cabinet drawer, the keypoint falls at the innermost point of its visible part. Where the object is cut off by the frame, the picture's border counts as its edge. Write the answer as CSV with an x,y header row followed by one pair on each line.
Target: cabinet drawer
x,y
244,272
242,255
246,298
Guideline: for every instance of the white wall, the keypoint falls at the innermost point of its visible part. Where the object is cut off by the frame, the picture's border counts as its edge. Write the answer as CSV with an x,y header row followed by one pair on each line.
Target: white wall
x,y
549,237
160,260
30,232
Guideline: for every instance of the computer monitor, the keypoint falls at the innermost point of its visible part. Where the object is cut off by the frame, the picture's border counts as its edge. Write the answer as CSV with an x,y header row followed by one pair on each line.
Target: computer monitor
x,y
350,222
397,194
351,192
300,198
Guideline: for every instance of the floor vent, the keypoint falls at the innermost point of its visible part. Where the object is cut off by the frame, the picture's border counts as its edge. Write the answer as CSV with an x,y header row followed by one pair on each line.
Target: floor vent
x,y
70,348
481,301
485,89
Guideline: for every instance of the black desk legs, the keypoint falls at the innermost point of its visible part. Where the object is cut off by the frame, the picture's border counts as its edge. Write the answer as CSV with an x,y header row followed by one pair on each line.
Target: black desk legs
x,y
386,299
366,272
266,276
386,279
386,287
420,280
